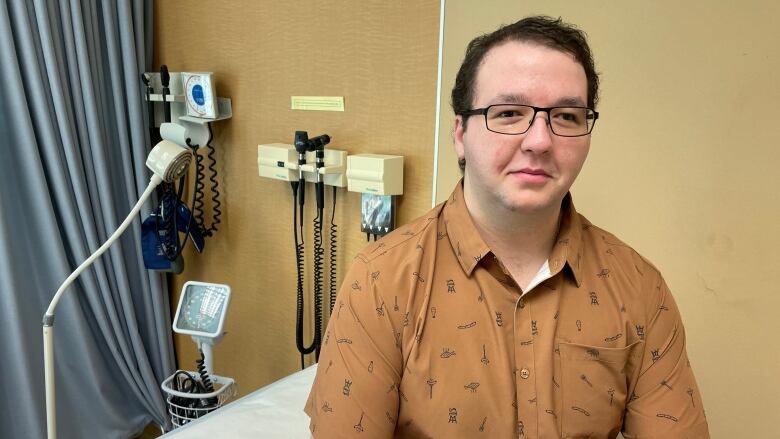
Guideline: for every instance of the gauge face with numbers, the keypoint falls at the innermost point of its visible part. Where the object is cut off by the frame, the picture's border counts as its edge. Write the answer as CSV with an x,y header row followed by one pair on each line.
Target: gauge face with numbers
x,y
202,308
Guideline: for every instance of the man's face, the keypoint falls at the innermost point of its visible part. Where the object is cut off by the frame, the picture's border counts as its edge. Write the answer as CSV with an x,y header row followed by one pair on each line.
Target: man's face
x,y
530,172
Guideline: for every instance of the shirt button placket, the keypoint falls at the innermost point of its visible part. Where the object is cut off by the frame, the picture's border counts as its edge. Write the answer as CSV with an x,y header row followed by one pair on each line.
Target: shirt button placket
x,y
525,382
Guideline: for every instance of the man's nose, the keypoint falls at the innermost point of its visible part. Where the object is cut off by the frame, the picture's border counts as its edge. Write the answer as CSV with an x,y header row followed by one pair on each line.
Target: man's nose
x,y
538,138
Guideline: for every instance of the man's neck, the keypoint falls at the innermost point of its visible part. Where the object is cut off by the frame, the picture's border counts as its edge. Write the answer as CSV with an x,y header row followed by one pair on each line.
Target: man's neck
x,y
522,241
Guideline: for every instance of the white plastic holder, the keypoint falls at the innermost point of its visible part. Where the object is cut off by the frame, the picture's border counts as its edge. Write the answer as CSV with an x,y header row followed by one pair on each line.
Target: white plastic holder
x,y
224,111
158,97
279,161
181,413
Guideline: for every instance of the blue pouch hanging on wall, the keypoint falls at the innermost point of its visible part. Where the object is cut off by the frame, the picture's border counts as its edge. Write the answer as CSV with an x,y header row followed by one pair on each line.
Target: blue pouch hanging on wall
x,y
156,239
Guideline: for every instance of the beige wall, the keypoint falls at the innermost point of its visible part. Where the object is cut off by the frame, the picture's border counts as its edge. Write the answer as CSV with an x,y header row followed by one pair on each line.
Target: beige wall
x,y
379,55
684,167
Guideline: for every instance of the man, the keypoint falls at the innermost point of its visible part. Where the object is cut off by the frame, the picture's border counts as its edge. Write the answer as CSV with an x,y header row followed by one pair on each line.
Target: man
x,y
503,312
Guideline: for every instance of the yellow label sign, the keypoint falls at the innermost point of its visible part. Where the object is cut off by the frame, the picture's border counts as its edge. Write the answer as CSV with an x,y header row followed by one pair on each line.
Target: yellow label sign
x,y
317,103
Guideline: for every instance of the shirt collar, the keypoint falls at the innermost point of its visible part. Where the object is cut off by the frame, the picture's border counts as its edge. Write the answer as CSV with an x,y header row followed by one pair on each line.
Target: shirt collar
x,y
568,243
466,242
469,247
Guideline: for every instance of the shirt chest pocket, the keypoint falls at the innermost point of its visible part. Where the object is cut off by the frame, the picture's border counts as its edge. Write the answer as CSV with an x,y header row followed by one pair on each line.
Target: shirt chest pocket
x,y
594,387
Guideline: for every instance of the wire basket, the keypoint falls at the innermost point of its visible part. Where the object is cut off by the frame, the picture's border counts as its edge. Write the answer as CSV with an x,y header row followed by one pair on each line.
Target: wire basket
x,y
185,407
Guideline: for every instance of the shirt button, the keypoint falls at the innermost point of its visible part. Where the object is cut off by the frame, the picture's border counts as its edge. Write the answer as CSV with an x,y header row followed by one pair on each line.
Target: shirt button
x,y
521,303
524,374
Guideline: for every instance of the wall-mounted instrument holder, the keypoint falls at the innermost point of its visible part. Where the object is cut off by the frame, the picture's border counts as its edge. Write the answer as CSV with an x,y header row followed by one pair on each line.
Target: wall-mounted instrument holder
x,y
280,161
378,177
176,110
168,119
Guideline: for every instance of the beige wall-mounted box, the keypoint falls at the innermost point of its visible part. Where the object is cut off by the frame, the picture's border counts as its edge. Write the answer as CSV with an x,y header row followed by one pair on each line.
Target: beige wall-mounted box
x,y
277,160
375,174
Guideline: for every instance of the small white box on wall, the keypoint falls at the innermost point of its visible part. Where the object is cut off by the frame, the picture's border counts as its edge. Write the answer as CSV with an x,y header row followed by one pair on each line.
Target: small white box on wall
x,y
375,174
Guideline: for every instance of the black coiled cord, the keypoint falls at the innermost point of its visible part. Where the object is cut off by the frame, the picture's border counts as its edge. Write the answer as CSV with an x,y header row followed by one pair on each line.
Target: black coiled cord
x,y
206,381
299,249
197,201
204,374
187,383
319,253
215,203
332,257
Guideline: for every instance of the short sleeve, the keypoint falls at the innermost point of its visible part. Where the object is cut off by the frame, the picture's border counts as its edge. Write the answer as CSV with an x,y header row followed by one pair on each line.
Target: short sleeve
x,y
355,391
665,402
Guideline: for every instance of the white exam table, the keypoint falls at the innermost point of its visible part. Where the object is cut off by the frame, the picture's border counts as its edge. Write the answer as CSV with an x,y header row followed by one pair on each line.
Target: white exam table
x,y
275,411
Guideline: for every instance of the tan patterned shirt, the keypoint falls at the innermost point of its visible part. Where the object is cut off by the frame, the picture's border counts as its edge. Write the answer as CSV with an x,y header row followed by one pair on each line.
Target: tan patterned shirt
x,y
431,337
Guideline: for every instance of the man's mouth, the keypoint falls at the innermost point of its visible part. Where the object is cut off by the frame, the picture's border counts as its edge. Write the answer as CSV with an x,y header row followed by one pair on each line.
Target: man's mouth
x,y
532,171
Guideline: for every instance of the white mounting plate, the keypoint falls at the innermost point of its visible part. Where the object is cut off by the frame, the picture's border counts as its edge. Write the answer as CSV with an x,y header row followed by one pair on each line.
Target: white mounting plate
x,y
281,164
158,97
224,111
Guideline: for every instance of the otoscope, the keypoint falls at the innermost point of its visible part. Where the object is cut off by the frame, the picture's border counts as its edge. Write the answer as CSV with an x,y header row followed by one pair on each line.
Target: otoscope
x,y
153,135
165,80
302,145
318,143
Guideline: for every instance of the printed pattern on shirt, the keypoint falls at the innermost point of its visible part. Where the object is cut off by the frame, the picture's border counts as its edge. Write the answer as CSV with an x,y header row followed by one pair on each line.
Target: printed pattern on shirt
x,y
435,339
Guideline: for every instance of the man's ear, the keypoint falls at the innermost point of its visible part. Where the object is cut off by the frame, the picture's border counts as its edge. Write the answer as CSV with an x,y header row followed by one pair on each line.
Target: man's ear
x,y
457,137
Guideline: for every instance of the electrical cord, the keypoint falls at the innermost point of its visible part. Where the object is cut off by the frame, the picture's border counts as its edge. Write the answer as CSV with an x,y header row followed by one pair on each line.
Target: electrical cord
x,y
302,145
197,204
208,231
299,262
197,199
319,252
204,374
205,380
215,203
185,382
332,256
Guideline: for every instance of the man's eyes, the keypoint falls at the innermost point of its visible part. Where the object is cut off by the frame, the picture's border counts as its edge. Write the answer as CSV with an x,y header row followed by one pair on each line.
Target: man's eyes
x,y
502,113
509,113
568,116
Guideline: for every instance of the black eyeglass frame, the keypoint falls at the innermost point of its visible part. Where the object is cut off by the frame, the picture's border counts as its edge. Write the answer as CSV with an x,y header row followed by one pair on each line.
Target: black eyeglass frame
x,y
484,112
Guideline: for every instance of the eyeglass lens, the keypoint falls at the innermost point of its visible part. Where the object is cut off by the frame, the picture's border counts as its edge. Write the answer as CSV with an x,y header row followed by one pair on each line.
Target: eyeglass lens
x,y
516,119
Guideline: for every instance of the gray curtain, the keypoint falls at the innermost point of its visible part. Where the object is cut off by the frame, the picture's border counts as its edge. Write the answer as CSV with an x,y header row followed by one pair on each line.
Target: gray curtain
x,y
72,151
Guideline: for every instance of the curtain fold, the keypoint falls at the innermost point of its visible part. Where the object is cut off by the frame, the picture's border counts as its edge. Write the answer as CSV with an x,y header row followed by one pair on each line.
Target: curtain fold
x,y
73,146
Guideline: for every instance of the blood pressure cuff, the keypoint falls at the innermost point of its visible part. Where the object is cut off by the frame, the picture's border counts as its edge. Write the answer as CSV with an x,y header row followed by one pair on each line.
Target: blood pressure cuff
x,y
155,238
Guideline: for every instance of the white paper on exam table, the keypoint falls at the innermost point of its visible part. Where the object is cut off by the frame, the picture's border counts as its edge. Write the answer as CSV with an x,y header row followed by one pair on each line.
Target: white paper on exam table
x,y
275,411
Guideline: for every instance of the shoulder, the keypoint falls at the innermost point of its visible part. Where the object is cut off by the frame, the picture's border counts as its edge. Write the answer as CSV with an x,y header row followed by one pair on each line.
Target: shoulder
x,y
606,255
596,240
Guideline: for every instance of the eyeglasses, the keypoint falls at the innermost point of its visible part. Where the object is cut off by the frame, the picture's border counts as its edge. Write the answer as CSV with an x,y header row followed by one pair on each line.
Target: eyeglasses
x,y
517,119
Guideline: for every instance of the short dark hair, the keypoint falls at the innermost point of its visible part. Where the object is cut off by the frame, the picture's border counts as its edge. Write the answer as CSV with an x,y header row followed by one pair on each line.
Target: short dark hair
x,y
543,30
